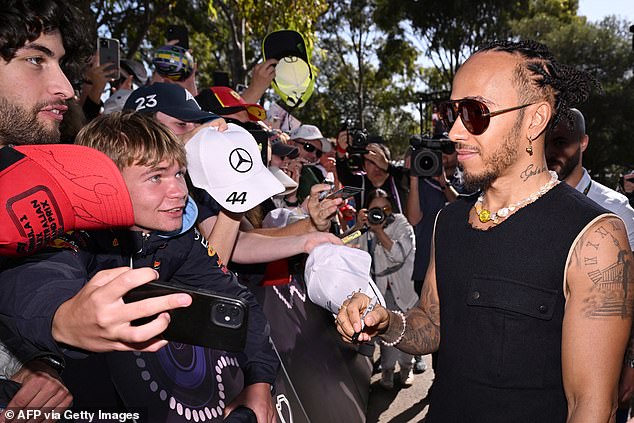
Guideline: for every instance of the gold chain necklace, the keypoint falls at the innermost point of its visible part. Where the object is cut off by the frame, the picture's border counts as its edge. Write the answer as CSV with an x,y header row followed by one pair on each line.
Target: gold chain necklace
x,y
486,215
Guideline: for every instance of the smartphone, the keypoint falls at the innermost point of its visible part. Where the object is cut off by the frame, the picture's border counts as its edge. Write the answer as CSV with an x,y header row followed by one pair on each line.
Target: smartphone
x,y
213,320
108,51
344,193
178,32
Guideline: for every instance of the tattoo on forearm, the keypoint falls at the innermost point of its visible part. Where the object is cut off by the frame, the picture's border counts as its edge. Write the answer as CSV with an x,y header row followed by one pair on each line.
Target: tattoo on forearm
x,y
531,170
422,334
629,352
610,272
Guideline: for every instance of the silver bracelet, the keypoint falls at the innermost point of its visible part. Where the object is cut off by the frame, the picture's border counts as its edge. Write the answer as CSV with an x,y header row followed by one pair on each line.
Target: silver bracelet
x,y
400,337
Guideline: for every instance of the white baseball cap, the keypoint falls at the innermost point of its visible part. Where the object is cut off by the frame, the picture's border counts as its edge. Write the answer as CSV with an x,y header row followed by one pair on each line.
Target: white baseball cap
x,y
228,165
311,132
116,101
289,184
334,272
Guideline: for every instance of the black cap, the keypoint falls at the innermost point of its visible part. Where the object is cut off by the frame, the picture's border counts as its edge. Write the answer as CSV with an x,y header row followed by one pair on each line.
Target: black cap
x,y
284,150
171,99
136,69
285,43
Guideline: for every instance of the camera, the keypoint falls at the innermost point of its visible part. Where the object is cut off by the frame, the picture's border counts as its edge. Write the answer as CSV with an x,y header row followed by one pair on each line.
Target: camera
x,y
376,216
227,315
358,140
426,159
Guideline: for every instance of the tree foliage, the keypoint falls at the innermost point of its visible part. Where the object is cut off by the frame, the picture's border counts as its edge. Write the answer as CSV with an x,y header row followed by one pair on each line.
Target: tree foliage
x,y
374,57
225,35
604,49
364,75
447,32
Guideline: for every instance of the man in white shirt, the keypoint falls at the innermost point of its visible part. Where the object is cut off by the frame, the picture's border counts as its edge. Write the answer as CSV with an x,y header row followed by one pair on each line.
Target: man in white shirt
x,y
565,146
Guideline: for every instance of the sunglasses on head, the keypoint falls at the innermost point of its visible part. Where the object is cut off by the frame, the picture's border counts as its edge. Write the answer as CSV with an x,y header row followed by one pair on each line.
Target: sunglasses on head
x,y
474,114
309,148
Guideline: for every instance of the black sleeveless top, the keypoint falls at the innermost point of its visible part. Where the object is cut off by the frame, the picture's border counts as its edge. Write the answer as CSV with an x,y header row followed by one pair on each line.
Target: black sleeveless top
x,y
501,311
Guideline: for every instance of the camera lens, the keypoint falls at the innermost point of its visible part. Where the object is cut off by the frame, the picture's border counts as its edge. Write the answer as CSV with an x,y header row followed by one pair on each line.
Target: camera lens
x,y
220,308
104,43
376,216
426,162
234,311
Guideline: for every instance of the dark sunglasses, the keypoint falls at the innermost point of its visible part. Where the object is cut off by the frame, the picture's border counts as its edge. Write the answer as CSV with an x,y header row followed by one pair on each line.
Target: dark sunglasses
x,y
309,148
474,114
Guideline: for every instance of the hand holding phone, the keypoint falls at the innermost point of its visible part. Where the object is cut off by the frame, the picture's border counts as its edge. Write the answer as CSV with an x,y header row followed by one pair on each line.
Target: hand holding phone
x,y
213,320
343,193
180,33
108,52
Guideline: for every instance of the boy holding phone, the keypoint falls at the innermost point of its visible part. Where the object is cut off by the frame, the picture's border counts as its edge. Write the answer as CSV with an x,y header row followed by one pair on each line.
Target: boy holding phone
x,y
152,162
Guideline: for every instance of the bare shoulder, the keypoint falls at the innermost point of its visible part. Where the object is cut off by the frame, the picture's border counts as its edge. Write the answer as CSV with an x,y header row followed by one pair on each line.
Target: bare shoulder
x,y
599,271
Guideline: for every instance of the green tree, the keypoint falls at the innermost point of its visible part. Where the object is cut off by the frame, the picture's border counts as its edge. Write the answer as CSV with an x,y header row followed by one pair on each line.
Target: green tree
x,y
224,34
603,49
364,76
447,32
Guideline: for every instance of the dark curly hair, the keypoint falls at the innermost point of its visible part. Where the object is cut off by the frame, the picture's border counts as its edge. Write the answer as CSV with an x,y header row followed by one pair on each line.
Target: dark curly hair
x,y
23,21
542,76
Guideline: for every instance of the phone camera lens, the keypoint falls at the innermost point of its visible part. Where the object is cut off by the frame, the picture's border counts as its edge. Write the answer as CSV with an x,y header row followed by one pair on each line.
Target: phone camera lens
x,y
104,43
221,308
234,311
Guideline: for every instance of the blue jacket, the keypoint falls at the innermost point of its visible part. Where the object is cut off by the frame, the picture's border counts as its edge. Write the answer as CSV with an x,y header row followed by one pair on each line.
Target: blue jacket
x,y
34,287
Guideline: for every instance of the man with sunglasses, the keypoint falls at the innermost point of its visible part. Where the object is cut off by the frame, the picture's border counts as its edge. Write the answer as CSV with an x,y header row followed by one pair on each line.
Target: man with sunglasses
x,y
529,284
312,145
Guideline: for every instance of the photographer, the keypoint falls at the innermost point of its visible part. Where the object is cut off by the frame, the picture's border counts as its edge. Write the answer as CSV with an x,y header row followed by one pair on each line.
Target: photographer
x,y
390,242
379,173
626,186
428,194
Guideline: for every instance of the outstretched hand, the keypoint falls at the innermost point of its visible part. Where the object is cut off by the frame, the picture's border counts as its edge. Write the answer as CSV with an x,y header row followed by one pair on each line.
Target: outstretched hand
x,y
349,319
321,211
97,319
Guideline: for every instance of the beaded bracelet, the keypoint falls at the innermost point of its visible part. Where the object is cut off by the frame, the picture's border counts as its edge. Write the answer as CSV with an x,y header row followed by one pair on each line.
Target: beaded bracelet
x,y
400,337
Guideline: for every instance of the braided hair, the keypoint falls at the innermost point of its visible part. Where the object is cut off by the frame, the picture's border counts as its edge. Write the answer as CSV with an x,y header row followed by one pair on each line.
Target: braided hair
x,y
541,75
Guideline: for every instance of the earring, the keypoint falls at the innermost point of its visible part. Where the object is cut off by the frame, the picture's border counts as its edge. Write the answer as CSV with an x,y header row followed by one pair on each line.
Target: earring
x,y
529,149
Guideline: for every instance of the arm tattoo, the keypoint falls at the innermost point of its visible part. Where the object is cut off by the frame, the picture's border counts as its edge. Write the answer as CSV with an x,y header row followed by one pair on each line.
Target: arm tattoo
x,y
612,288
629,352
531,170
422,334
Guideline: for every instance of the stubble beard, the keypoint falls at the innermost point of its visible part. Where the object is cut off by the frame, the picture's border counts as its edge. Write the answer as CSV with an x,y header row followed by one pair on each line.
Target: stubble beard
x,y
569,165
495,164
20,126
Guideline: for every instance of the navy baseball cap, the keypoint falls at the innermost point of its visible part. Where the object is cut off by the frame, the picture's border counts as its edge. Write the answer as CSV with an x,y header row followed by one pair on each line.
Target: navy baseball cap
x,y
171,99
284,150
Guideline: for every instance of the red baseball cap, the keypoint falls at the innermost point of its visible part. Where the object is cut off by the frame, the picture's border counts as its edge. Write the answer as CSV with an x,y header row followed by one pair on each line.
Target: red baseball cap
x,y
46,190
225,101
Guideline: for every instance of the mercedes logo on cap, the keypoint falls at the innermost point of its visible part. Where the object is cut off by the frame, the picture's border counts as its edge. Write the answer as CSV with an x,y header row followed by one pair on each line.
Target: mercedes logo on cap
x,y
240,160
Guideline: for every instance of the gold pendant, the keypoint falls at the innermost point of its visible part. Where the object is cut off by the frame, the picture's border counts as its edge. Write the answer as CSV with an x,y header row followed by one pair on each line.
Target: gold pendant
x,y
484,215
